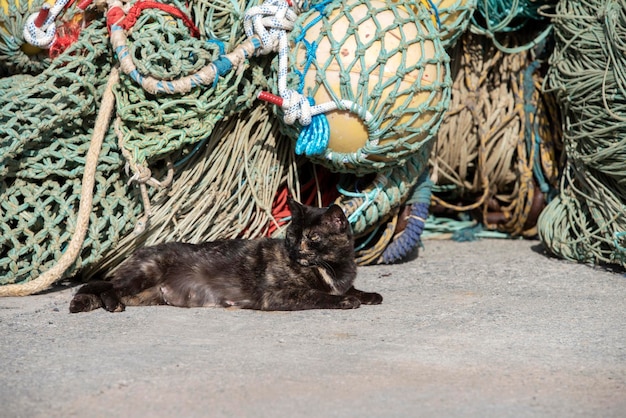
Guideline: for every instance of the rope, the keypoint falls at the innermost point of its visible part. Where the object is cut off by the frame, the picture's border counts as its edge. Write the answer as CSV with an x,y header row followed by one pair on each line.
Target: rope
x,y
495,17
496,154
15,55
373,204
453,17
400,109
313,139
40,28
410,238
119,22
225,190
587,220
91,161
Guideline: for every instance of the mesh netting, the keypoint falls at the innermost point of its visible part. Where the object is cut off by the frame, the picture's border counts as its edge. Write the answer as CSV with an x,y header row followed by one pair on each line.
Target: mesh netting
x,y
496,153
385,68
222,157
224,187
453,17
498,18
154,125
46,125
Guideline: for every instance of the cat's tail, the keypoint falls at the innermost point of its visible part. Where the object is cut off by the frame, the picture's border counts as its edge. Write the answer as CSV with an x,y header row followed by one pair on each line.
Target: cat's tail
x,y
94,295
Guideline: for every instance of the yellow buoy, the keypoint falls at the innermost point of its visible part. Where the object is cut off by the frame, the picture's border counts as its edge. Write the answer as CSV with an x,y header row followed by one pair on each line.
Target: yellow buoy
x,y
354,61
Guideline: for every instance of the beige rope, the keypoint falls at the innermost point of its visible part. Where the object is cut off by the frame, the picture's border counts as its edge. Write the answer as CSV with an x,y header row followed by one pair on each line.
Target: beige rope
x,y
86,198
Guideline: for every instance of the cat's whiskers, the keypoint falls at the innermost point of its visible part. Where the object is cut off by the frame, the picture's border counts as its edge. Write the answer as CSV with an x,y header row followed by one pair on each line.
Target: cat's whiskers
x,y
327,275
328,267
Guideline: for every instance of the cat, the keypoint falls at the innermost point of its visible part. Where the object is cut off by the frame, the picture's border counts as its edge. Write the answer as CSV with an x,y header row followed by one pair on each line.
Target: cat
x,y
313,267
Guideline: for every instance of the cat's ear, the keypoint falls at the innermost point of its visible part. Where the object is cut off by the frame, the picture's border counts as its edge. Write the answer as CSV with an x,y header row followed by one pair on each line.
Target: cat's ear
x,y
296,209
335,217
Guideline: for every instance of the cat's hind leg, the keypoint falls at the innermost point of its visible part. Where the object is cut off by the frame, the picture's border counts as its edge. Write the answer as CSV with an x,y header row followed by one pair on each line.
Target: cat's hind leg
x,y
98,294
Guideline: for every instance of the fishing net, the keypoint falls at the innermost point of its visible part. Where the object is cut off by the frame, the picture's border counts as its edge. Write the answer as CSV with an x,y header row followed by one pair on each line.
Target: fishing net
x,y
496,157
16,56
366,84
496,19
586,222
49,125
46,125
225,187
192,163
453,18
162,96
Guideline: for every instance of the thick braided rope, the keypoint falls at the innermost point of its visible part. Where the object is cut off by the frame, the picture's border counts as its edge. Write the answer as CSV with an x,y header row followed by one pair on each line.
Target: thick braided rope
x,y
410,238
206,76
91,161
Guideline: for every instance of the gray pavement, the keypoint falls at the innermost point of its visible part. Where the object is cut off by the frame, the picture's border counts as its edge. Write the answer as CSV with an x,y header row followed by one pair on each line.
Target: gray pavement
x,y
491,328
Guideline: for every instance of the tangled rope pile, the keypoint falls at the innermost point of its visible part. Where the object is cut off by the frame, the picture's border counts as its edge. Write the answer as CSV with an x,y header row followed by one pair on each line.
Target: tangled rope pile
x,y
225,188
175,144
496,154
205,159
587,221
497,18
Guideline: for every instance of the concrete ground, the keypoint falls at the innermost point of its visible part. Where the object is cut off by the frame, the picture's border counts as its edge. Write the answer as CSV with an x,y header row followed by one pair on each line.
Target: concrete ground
x,y
483,329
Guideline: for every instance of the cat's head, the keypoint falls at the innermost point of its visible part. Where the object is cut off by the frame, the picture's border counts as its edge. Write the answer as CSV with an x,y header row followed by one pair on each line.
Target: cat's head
x,y
317,236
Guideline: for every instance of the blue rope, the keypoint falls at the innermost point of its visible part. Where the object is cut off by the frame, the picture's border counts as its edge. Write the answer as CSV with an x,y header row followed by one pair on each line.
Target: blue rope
x,y
529,109
410,238
435,11
313,139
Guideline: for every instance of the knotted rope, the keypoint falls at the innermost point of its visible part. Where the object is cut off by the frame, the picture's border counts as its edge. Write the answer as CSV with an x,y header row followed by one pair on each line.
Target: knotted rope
x,y
40,29
586,222
313,138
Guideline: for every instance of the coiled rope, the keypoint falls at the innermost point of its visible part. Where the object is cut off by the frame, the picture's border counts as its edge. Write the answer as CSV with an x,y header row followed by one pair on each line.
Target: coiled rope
x,y
586,222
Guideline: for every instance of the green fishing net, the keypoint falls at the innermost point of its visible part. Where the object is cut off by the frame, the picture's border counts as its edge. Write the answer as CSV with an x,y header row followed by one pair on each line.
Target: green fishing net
x,y
46,123
586,222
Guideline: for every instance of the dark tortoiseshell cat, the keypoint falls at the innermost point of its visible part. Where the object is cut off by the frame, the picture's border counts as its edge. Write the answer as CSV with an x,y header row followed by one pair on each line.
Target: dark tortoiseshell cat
x,y
312,268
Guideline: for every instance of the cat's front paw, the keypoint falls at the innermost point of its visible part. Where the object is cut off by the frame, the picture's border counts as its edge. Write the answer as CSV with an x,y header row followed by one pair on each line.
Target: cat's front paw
x,y
82,303
371,298
349,302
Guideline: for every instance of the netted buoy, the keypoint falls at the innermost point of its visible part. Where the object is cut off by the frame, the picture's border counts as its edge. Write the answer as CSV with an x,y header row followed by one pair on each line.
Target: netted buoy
x,y
453,17
375,78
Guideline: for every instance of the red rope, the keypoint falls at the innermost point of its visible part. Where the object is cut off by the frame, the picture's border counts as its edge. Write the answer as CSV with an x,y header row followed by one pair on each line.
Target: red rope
x,y
309,190
129,21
